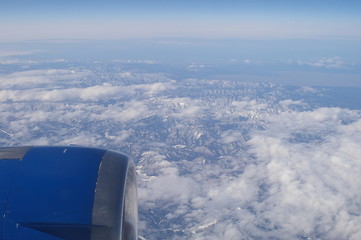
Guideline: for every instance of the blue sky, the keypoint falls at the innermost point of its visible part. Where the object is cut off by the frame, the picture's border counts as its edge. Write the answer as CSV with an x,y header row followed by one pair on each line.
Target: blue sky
x,y
245,19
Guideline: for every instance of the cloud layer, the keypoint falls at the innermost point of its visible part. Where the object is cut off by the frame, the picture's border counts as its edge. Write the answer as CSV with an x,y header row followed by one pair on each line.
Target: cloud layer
x,y
299,178
216,159
329,63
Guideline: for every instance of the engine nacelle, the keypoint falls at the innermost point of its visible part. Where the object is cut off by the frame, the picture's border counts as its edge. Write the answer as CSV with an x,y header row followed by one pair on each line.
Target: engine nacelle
x,y
69,192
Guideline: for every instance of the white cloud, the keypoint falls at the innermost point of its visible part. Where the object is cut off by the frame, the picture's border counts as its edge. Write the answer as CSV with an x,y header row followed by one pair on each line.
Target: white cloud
x,y
145,61
36,78
249,105
288,102
231,136
313,180
184,108
126,112
15,53
165,183
308,90
300,178
92,93
29,62
334,62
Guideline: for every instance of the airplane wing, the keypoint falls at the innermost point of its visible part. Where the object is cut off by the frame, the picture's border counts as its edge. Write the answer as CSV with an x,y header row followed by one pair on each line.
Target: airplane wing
x,y
69,193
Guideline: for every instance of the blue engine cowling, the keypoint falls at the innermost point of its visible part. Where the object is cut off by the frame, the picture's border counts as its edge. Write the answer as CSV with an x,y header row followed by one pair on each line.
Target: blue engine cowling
x,y
70,193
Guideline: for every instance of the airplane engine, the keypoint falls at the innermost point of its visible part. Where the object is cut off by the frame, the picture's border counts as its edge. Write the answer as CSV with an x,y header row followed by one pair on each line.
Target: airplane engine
x,y
69,192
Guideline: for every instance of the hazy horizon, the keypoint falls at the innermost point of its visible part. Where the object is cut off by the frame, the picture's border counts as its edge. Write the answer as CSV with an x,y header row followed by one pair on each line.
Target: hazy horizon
x,y
109,20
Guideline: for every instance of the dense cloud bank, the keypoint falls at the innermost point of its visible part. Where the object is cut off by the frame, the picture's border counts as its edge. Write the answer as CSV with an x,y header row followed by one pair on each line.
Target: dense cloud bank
x,y
216,159
301,179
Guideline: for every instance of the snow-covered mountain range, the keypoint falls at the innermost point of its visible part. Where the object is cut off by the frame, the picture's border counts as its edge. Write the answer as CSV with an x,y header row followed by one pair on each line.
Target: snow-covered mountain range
x,y
216,159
